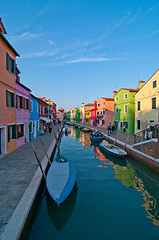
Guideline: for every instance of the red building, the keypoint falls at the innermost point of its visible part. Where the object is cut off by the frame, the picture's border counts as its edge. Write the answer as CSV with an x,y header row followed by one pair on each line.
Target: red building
x,y
43,113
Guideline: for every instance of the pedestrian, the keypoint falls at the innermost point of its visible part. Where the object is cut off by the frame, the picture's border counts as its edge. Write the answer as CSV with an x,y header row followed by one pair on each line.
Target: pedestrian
x,y
50,129
124,128
113,129
109,129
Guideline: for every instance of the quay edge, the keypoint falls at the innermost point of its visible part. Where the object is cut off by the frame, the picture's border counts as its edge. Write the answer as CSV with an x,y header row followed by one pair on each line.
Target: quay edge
x,y
15,228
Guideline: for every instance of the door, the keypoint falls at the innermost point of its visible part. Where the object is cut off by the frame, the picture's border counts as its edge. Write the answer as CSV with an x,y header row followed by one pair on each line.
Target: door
x,y
120,126
34,129
26,131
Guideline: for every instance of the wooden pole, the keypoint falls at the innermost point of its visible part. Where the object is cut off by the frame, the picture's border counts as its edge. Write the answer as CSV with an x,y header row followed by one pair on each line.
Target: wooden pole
x,y
38,161
56,139
45,151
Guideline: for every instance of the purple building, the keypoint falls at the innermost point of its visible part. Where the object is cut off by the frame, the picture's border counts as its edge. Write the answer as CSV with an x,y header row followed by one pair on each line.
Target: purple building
x,y
22,111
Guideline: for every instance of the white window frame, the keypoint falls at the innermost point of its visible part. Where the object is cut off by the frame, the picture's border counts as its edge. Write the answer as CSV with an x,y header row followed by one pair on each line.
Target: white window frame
x,y
10,130
126,105
37,108
31,122
37,124
31,106
40,109
137,106
116,110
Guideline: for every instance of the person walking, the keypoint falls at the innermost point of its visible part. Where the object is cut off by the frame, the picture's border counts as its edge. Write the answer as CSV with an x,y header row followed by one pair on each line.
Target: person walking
x,y
50,129
109,129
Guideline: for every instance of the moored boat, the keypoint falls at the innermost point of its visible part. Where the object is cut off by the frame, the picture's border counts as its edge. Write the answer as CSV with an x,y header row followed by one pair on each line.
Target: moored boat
x,y
96,136
86,130
112,149
61,179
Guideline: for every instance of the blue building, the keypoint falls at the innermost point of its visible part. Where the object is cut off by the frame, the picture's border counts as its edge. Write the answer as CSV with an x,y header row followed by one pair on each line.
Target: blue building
x,y
34,117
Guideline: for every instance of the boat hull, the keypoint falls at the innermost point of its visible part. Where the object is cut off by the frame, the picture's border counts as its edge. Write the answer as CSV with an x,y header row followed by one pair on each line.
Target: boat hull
x,y
96,139
60,180
110,151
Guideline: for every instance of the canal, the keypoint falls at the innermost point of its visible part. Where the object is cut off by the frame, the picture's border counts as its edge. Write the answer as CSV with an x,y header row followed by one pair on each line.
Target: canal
x,y
113,198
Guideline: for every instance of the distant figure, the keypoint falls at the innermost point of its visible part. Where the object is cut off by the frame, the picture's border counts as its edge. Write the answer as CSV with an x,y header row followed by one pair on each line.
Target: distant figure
x,y
109,129
113,129
50,129
124,128
44,129
147,134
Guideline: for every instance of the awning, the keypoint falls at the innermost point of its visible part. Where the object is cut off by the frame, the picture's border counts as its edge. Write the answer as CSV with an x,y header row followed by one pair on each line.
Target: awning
x,y
47,120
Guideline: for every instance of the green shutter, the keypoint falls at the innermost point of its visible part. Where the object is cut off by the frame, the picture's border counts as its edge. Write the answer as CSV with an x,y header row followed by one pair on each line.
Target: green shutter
x,y
7,98
8,135
14,131
7,61
13,66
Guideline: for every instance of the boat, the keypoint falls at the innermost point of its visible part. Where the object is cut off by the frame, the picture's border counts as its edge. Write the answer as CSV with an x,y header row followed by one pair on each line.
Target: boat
x,y
80,127
76,126
61,179
86,130
66,129
112,149
96,136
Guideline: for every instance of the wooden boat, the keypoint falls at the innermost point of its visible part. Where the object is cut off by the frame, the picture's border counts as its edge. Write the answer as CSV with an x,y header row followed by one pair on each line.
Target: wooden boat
x,y
61,179
96,136
112,149
86,130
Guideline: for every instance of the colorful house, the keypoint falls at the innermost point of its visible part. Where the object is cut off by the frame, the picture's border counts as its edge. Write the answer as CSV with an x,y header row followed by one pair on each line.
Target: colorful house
x,y
93,115
105,112
68,115
43,113
22,112
147,104
8,54
77,115
124,109
86,109
34,117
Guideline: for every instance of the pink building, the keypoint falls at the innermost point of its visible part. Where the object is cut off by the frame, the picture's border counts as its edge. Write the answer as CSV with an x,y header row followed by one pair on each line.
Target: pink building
x,y
22,112
105,112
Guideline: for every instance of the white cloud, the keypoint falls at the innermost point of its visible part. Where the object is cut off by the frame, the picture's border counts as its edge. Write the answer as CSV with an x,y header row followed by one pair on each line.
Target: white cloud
x,y
40,54
25,35
51,42
151,9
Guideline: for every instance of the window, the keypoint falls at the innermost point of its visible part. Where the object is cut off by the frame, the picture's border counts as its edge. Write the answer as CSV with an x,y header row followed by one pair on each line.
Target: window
x,y
10,64
40,109
97,121
154,103
20,130
116,110
138,105
125,96
103,103
10,98
98,104
138,125
117,99
154,84
97,112
126,124
31,127
103,122
31,106
103,112
100,112
26,104
125,108
37,108
43,110
11,132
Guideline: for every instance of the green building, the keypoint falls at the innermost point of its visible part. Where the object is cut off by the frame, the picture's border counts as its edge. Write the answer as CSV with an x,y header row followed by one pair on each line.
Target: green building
x,y
77,115
68,115
124,110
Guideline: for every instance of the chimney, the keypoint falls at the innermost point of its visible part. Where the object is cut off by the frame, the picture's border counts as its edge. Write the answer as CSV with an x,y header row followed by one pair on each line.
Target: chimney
x,y
141,84
114,93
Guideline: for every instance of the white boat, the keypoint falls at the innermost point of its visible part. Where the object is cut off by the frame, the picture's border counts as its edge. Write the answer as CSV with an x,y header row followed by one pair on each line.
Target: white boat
x,y
112,149
60,180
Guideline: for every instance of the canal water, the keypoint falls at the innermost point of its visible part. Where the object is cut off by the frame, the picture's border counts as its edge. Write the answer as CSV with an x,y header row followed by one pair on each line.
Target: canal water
x,y
113,198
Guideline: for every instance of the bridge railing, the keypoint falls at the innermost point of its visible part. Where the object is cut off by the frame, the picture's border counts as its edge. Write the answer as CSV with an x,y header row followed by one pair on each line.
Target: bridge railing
x,y
146,134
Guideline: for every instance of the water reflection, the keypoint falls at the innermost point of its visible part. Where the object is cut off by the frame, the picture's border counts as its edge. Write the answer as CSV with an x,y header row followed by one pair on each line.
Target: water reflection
x,y
60,215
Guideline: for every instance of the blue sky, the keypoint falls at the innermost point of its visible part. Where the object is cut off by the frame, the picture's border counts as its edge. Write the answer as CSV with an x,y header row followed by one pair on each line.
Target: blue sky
x,y
78,51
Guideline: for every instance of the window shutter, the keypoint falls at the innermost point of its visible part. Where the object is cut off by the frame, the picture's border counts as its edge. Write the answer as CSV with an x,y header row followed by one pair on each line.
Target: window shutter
x,y
23,103
13,66
13,100
7,98
7,61
14,131
16,101
8,135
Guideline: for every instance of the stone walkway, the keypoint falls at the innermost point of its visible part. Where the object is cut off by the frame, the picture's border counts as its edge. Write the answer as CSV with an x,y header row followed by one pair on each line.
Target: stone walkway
x,y
16,171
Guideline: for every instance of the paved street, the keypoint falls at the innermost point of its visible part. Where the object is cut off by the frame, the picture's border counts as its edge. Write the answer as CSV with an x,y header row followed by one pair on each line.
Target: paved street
x,y
16,171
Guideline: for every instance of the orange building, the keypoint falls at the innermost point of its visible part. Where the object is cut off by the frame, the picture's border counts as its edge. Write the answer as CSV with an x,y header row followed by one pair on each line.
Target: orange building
x,y
8,54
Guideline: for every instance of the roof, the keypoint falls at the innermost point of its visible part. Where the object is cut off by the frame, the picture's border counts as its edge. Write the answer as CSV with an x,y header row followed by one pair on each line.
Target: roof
x,y
23,86
108,99
3,26
148,81
89,104
8,44
129,89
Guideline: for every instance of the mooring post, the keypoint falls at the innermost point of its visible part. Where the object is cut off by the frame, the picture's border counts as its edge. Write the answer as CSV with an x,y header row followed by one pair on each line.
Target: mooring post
x,y
45,151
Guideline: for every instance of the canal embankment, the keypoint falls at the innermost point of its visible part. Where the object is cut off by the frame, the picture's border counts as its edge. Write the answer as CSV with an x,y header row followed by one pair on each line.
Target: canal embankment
x,y
21,179
147,153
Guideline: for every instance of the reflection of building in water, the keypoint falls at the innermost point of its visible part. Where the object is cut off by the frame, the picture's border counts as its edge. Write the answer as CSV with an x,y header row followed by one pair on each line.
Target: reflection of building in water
x,y
125,174
85,140
105,163
150,205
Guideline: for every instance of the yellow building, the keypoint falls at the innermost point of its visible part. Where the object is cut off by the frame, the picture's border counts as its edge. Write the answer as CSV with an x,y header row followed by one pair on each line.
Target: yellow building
x,y
147,104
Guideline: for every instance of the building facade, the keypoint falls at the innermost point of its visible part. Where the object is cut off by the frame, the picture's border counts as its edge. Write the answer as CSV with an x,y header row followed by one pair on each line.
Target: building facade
x,y
34,117
8,138
147,104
